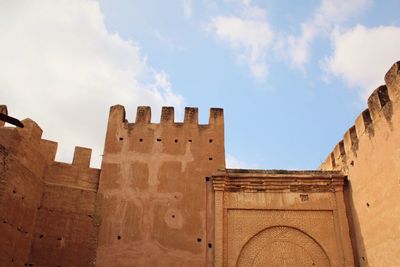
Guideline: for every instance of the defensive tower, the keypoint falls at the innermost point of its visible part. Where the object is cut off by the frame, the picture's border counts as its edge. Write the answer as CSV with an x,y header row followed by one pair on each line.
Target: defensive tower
x,y
152,192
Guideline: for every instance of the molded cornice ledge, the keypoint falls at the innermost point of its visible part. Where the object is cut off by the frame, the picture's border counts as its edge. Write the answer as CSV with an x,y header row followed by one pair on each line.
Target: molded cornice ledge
x,y
237,180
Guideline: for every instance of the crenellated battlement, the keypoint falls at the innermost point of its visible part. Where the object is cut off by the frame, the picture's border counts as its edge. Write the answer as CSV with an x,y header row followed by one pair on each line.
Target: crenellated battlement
x,y
140,135
143,116
380,108
28,145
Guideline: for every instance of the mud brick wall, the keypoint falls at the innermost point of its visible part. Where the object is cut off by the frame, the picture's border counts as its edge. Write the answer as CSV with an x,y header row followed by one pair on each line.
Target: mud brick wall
x,y
370,154
152,192
47,208
21,168
66,227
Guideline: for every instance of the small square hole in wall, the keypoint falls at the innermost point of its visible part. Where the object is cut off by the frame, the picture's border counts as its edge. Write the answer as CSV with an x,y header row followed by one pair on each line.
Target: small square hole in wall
x,y
304,197
121,138
141,140
158,139
210,158
190,140
176,141
210,141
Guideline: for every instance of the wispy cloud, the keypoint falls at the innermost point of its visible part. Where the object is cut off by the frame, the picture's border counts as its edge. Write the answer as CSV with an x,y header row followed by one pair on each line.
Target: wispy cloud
x,y
235,163
326,17
63,68
187,8
248,34
361,56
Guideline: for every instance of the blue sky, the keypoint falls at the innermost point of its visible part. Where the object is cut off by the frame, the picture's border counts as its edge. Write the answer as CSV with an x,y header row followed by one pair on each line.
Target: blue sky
x,y
292,76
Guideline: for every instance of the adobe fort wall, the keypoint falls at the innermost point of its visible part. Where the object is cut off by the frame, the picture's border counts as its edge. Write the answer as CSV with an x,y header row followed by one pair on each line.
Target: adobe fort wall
x,y
47,208
152,193
369,155
158,199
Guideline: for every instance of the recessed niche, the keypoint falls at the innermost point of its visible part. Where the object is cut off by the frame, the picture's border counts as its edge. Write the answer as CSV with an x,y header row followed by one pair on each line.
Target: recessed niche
x,y
176,141
41,236
209,245
59,239
121,138
207,179
173,216
119,237
158,139
210,141
190,140
368,205
210,158
141,140
199,240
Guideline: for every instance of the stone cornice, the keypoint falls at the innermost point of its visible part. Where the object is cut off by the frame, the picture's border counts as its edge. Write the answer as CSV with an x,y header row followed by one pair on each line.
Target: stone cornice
x,y
231,180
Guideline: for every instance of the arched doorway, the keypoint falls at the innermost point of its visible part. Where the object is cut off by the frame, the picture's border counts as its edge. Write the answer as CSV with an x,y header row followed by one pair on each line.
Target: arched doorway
x,y
282,246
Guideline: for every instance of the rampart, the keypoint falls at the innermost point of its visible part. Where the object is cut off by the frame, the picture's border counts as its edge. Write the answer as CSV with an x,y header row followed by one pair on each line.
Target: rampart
x,y
47,208
163,196
369,155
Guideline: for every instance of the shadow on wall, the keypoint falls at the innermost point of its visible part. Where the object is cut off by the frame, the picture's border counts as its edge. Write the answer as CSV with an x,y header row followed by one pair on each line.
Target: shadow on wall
x,y
357,240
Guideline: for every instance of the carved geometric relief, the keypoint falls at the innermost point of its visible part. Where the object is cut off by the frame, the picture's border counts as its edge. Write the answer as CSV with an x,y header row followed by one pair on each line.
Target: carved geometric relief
x,y
282,246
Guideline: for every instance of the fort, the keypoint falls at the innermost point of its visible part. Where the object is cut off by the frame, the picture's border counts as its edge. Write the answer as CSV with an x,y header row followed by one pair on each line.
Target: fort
x,y
164,197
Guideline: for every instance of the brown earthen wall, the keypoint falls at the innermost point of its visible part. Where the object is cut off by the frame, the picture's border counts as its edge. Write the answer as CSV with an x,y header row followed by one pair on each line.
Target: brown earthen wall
x,y
152,192
370,154
21,168
46,207
66,227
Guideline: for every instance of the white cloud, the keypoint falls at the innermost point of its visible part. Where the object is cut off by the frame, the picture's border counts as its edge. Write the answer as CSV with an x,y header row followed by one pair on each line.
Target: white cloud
x,y
61,67
249,35
328,15
362,56
235,163
187,8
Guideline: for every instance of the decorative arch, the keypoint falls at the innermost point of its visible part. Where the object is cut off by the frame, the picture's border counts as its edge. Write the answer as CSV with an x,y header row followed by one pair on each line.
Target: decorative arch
x,y
282,246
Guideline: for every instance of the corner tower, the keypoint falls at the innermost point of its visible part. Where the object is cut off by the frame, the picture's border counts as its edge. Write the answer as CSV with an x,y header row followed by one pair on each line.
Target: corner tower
x,y
152,193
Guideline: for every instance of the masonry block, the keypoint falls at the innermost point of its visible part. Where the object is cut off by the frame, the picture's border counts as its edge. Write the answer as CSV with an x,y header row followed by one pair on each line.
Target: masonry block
x,y
167,115
82,157
3,110
392,80
191,115
143,114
